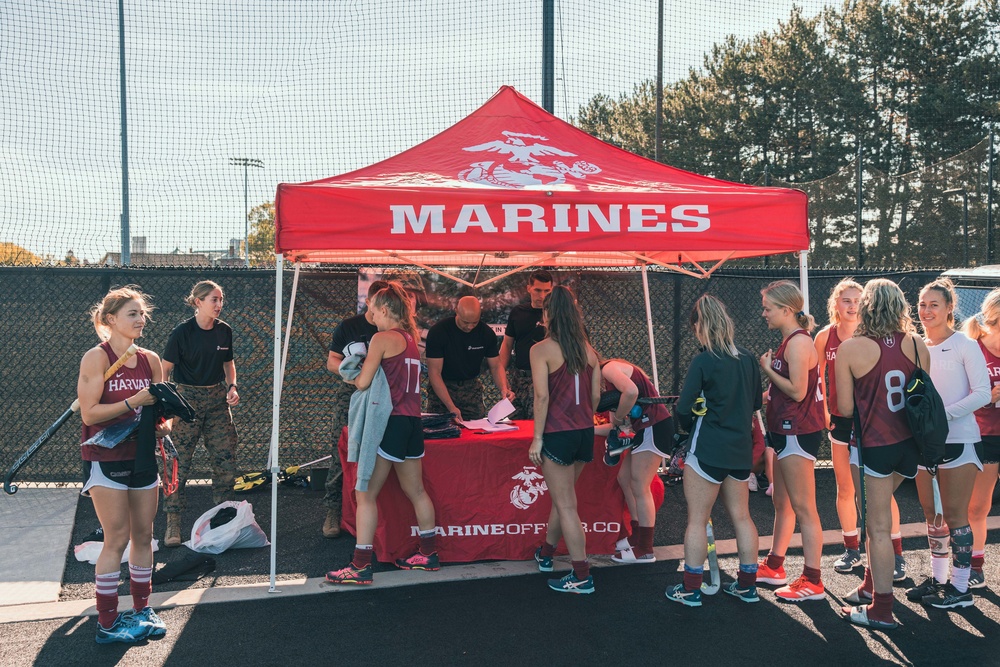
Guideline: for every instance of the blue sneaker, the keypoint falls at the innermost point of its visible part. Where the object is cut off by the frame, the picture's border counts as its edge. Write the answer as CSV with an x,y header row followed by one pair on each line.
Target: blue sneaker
x,y
544,562
148,617
680,594
126,629
570,584
748,594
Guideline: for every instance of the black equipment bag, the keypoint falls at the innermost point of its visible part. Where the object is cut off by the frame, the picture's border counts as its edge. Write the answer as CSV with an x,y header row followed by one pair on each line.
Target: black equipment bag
x,y
926,415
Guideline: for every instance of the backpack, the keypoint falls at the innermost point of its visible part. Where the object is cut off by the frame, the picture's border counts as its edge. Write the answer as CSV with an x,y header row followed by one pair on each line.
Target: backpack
x,y
926,415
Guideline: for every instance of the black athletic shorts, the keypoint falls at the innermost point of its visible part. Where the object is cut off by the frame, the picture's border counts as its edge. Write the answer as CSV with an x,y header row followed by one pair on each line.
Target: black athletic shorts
x,y
953,451
807,443
121,475
568,447
990,452
884,460
714,473
403,439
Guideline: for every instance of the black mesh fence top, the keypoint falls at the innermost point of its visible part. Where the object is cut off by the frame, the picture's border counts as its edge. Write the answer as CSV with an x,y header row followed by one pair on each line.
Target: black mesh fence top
x,y
168,126
46,332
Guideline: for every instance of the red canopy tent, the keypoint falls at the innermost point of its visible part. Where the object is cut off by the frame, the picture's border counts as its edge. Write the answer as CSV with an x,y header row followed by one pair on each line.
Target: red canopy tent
x,y
513,186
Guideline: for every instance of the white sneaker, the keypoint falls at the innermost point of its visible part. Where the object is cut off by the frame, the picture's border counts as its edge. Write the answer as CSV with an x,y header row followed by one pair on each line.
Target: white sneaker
x,y
753,483
628,556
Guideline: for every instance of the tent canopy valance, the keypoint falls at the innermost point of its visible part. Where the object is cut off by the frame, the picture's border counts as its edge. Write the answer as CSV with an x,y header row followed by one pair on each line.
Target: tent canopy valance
x,y
512,185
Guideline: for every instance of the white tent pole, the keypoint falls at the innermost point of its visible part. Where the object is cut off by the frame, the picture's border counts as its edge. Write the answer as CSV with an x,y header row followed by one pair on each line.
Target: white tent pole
x,y
649,328
804,278
288,324
275,416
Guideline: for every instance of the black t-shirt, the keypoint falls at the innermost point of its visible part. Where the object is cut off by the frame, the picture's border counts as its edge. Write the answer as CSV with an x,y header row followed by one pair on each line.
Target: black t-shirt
x,y
198,354
355,329
524,325
463,353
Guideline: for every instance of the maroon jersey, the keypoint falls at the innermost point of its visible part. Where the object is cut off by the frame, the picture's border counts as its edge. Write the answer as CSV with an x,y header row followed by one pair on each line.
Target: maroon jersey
x,y
125,383
785,416
830,352
570,404
651,414
880,398
988,416
403,374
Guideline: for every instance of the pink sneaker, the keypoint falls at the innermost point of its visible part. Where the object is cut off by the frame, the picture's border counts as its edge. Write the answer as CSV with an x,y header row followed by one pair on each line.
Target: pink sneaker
x,y
418,561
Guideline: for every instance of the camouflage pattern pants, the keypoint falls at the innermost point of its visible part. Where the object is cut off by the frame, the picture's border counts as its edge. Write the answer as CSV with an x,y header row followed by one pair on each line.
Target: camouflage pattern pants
x,y
467,395
214,425
524,393
334,477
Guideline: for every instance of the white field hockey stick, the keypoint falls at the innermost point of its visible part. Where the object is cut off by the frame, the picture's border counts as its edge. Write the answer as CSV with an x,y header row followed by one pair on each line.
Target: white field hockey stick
x,y
711,587
11,488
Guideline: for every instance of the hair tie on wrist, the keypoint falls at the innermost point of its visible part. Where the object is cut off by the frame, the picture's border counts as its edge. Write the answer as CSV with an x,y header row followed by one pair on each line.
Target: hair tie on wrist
x,y
128,406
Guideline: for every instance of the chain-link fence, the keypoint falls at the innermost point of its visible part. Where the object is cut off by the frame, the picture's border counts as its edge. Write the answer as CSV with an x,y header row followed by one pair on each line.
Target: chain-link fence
x,y
47,331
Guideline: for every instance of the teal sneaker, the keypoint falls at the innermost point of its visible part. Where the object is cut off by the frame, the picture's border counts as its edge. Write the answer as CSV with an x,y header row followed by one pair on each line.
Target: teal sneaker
x,y
680,594
570,584
544,562
148,617
126,629
748,594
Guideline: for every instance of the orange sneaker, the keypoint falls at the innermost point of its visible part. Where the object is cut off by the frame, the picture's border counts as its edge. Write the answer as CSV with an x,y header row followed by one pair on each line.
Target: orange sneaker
x,y
801,589
767,575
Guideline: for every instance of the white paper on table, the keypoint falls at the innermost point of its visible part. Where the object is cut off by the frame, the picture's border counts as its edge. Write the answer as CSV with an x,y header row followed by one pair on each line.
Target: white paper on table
x,y
493,422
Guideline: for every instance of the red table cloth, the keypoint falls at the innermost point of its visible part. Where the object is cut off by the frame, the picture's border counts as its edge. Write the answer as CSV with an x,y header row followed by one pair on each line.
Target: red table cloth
x,y
490,501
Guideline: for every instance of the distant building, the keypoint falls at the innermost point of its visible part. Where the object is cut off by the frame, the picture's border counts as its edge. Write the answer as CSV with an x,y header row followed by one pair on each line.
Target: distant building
x,y
175,258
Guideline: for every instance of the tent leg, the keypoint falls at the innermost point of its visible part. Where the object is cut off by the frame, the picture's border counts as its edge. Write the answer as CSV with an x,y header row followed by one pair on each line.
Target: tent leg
x,y
804,277
275,416
649,328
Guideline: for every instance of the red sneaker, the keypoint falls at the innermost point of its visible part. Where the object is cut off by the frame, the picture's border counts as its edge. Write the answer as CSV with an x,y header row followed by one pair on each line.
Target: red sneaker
x,y
801,589
418,561
767,575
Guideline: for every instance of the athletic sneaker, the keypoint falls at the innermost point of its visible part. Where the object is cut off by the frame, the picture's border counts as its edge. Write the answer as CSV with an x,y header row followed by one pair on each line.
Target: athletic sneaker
x,y
752,483
418,561
680,594
767,575
948,597
899,569
544,562
148,617
801,589
977,579
570,584
927,587
350,575
858,596
628,556
126,629
748,594
846,563
611,460
859,616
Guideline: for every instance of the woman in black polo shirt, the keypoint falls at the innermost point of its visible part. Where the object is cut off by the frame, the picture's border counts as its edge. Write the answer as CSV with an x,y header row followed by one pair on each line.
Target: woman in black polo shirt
x,y
721,392
200,354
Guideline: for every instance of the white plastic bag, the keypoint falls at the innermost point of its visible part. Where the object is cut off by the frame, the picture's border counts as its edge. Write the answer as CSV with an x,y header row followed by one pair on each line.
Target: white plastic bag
x,y
240,533
89,551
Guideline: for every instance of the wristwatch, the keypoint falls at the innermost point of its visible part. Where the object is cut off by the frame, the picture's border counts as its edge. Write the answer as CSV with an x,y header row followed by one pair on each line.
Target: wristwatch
x,y
234,386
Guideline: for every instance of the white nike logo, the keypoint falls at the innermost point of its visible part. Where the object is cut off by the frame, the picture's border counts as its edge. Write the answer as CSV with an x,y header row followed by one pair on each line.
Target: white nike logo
x,y
119,374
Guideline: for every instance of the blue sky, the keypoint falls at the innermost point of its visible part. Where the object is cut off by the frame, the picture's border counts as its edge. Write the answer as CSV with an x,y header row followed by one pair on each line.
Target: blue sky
x,y
312,88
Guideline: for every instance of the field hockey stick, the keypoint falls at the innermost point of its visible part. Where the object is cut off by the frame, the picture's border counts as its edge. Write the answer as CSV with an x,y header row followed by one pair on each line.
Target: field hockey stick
x,y
610,399
291,470
712,586
10,488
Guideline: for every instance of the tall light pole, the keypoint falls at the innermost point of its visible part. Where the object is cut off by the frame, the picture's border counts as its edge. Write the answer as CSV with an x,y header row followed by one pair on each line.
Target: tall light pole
x,y
965,216
246,163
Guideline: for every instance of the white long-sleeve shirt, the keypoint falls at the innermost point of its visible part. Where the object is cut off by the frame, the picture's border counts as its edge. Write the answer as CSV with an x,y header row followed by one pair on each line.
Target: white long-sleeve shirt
x,y
958,369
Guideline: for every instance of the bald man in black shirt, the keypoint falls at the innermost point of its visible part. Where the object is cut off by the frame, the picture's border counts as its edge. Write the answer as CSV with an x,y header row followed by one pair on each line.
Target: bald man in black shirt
x,y
456,347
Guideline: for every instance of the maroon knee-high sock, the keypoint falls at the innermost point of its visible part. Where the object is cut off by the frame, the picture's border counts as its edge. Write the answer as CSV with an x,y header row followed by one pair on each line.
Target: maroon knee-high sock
x,y
107,598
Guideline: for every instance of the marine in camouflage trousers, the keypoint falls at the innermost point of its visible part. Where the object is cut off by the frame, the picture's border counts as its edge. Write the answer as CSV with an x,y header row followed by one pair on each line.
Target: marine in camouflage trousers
x,y
524,393
214,425
467,395
334,477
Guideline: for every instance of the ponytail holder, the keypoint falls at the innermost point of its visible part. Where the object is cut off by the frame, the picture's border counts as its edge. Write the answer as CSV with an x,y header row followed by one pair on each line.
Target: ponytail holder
x,y
981,319
800,314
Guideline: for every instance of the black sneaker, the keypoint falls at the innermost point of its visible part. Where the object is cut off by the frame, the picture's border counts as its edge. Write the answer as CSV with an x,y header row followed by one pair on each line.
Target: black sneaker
x,y
929,586
949,597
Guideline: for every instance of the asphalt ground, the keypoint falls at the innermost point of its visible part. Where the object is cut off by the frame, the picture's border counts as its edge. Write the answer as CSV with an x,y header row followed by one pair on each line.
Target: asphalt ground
x,y
512,619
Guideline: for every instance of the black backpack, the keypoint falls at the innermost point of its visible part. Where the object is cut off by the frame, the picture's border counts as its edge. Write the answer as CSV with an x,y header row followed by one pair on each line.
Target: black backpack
x,y
926,414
